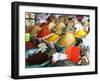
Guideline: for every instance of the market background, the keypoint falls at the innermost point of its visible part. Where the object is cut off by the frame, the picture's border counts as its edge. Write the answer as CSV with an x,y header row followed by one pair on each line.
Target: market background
x,y
5,40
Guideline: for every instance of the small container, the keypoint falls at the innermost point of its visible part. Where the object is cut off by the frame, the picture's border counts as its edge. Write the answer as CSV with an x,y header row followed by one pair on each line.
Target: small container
x,y
27,37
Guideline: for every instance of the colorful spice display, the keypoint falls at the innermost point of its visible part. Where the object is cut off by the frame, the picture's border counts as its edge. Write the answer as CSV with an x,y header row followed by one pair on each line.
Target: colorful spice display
x,y
56,39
